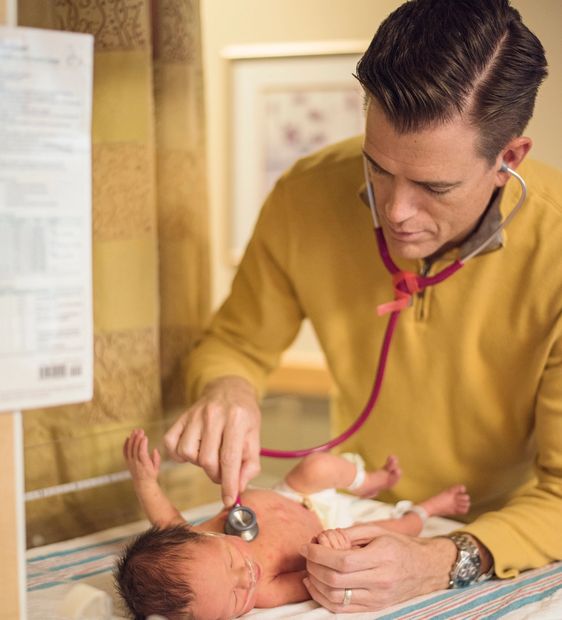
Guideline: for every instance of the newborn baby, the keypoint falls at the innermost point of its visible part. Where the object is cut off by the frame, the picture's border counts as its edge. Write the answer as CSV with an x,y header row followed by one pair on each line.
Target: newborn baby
x,y
198,572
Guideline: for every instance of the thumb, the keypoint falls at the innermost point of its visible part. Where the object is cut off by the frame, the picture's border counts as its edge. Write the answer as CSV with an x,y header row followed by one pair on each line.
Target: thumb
x,y
364,533
172,437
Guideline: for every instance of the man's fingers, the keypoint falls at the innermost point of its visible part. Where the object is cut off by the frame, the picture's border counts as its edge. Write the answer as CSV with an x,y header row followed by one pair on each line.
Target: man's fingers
x,y
209,448
333,599
231,458
363,533
250,469
172,439
189,443
321,559
333,579
251,464
214,433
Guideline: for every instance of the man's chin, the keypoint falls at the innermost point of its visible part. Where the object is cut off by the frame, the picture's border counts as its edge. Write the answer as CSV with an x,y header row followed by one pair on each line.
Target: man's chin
x,y
411,251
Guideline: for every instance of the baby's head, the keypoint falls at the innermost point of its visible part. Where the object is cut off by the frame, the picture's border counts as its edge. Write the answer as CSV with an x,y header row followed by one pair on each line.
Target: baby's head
x,y
151,574
183,575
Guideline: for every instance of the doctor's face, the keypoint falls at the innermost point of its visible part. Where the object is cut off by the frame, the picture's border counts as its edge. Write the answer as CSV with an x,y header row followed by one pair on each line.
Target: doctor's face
x,y
431,187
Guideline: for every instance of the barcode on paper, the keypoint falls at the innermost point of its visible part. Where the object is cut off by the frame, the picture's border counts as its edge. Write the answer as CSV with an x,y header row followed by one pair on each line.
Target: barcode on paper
x,y
55,371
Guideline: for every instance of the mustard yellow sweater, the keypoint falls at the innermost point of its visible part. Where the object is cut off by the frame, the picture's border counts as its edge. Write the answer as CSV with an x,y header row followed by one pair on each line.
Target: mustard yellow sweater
x,y
473,386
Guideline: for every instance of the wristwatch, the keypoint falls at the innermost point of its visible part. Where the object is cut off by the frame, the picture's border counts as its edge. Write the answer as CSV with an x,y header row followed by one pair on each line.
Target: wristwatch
x,y
466,568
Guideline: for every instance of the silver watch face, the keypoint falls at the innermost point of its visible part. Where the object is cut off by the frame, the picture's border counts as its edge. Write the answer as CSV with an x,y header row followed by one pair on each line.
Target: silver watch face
x,y
467,567
466,572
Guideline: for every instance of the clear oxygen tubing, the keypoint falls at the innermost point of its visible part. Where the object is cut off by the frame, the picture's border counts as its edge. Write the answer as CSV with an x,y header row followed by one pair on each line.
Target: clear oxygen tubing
x,y
405,285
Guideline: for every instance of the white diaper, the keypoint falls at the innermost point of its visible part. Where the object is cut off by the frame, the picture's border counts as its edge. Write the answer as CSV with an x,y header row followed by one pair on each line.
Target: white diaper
x,y
331,507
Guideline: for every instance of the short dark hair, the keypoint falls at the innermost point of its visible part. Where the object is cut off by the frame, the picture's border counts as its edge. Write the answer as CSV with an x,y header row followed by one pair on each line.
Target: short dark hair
x,y
433,59
150,574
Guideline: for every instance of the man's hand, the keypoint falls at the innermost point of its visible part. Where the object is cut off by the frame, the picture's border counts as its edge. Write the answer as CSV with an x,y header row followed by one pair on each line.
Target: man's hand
x,y
221,434
387,569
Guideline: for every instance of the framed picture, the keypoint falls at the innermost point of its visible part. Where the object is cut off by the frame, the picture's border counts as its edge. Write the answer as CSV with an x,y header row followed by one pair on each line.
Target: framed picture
x,y
285,101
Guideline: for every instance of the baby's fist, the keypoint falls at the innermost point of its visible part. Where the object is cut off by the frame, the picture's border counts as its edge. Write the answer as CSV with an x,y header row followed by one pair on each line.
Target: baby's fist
x,y
335,539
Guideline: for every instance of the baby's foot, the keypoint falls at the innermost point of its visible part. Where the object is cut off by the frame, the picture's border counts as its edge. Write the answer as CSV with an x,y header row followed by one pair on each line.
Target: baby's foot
x,y
380,479
453,501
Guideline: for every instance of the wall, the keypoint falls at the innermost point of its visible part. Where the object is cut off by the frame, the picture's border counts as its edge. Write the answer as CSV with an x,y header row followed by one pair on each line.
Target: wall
x,y
269,21
8,12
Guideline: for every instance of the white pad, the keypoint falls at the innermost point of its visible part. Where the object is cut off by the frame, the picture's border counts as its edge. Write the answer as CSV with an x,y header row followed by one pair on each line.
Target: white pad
x,y
406,506
360,474
84,602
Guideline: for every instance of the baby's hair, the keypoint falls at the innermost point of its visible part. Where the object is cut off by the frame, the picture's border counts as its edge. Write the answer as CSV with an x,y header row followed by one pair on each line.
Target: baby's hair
x,y
151,573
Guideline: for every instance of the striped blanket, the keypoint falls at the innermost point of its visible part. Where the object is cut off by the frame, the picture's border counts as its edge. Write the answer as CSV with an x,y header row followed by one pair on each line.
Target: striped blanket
x,y
52,571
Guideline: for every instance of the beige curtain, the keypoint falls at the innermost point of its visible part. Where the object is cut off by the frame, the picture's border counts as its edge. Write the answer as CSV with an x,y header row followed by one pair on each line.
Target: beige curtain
x,y
150,254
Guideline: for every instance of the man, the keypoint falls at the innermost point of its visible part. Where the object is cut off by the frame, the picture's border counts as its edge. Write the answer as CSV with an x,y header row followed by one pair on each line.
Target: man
x,y
473,384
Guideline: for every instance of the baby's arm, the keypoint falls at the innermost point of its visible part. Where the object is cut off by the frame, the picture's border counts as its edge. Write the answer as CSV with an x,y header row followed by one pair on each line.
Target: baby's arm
x,y
144,472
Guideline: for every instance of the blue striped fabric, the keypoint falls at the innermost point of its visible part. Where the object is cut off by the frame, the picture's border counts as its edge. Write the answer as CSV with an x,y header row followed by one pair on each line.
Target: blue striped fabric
x,y
486,601
59,567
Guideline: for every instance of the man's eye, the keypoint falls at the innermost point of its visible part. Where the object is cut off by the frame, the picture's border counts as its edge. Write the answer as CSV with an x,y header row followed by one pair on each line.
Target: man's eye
x,y
437,192
376,169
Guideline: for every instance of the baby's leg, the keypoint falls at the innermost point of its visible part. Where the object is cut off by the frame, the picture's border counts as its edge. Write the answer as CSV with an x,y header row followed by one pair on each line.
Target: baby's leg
x,y
453,501
379,479
323,470
320,471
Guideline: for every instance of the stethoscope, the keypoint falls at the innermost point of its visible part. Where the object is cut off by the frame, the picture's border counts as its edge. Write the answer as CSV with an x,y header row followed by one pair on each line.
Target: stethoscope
x,y
241,520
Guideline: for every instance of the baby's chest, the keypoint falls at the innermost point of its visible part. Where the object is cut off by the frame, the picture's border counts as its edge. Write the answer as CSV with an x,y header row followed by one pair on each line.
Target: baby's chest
x,y
282,534
280,555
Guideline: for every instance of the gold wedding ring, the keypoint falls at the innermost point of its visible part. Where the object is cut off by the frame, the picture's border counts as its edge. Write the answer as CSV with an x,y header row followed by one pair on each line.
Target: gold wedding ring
x,y
347,596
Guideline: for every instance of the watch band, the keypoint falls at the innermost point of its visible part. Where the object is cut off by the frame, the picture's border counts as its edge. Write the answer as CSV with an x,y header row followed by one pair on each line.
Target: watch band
x,y
467,567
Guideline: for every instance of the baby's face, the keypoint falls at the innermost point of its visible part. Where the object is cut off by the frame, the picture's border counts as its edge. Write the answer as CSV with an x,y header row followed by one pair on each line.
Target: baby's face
x,y
224,577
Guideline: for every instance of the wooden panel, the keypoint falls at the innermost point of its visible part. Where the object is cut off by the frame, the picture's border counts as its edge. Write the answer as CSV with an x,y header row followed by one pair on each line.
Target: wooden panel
x,y
300,378
12,576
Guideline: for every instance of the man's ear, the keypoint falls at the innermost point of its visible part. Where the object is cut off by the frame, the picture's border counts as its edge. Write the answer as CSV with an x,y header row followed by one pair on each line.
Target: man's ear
x,y
511,155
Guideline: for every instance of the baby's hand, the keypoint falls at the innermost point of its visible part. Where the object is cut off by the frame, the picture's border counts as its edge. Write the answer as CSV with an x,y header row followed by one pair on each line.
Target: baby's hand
x,y
143,467
335,539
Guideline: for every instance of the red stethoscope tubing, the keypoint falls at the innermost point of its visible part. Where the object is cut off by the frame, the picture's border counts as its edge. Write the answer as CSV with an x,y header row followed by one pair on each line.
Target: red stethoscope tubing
x,y
405,285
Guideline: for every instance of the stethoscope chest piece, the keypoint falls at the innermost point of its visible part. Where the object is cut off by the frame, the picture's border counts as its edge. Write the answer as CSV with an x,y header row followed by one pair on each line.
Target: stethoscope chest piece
x,y
242,521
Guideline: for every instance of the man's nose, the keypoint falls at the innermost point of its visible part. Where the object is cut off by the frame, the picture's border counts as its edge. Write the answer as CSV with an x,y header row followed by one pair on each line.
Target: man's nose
x,y
400,204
